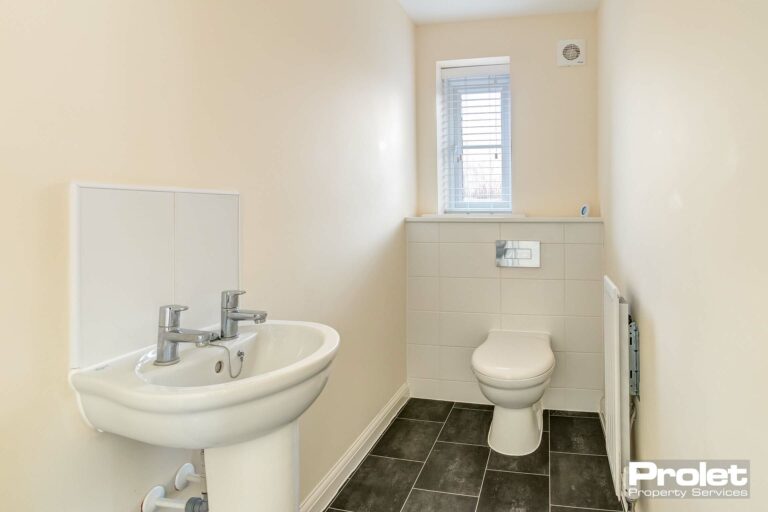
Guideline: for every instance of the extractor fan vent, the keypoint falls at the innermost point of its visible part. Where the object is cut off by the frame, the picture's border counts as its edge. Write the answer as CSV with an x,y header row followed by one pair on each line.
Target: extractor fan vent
x,y
571,52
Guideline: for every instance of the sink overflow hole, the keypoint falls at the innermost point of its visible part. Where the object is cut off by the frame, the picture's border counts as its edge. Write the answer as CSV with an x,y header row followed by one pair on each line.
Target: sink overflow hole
x,y
219,366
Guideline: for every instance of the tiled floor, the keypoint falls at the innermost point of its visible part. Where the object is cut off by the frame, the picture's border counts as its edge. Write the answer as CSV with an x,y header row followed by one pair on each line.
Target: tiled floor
x,y
434,457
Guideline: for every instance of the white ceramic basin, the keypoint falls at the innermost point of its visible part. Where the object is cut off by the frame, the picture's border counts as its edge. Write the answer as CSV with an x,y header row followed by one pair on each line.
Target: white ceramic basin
x,y
190,405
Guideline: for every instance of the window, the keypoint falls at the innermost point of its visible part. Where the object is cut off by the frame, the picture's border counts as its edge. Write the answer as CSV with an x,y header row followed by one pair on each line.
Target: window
x,y
476,170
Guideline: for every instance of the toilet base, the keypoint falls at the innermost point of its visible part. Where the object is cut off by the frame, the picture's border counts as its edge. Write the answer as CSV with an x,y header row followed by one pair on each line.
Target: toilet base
x,y
516,431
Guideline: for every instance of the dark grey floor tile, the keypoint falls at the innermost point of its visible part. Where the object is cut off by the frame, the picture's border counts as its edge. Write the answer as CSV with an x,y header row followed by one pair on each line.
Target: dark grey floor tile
x,y
581,414
455,468
428,410
576,435
379,485
504,492
536,462
467,426
408,439
546,420
467,405
582,481
430,501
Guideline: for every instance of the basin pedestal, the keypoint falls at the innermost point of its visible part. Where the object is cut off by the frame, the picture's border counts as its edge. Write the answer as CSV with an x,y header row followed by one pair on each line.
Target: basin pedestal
x,y
261,475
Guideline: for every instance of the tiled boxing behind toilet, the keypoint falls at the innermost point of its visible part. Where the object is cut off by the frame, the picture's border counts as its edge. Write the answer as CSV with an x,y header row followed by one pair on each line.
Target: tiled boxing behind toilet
x,y
456,294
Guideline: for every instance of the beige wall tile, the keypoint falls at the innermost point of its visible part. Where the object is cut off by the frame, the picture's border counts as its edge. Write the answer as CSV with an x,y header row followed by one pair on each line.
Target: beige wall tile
x,y
584,333
583,261
532,296
423,259
541,231
554,325
469,232
584,370
466,329
584,233
584,298
423,293
458,391
422,231
423,361
455,364
470,295
468,260
422,327
424,388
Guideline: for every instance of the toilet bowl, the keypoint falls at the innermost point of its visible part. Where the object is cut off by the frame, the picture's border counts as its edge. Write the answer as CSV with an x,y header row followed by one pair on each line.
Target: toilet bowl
x,y
514,369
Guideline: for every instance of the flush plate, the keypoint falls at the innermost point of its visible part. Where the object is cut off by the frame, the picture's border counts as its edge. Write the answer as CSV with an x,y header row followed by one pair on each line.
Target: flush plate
x,y
518,253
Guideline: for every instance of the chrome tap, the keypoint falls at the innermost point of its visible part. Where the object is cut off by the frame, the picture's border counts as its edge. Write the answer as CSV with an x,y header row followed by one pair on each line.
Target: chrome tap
x,y
170,334
231,314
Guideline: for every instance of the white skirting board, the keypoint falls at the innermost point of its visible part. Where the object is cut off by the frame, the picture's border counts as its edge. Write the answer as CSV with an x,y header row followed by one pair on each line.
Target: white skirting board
x,y
326,489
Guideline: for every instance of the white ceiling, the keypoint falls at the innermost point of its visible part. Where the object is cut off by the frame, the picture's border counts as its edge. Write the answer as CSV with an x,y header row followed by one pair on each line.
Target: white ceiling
x,y
437,11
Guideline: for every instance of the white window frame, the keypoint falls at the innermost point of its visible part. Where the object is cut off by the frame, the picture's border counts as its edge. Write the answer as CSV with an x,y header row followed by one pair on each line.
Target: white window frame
x,y
446,205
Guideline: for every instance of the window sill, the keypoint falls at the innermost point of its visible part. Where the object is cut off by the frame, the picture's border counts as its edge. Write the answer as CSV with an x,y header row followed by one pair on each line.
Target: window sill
x,y
497,217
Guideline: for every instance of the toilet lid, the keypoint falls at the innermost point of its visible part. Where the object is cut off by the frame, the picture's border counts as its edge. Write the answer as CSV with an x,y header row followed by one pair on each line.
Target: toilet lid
x,y
510,355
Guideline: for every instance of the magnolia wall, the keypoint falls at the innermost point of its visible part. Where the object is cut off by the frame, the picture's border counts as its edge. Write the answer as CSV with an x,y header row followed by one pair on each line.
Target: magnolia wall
x,y
304,107
554,109
683,160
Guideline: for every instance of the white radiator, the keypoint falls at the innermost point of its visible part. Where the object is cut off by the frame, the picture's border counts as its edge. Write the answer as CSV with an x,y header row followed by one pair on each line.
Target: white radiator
x,y
615,412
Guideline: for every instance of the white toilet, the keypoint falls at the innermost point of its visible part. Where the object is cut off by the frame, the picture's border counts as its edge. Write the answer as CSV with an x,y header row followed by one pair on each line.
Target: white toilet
x,y
514,369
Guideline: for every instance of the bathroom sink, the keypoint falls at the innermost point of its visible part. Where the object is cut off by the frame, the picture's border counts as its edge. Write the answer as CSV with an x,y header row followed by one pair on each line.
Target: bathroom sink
x,y
195,403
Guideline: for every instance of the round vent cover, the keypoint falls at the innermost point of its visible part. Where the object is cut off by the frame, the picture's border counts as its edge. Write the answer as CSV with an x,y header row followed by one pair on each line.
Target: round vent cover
x,y
571,52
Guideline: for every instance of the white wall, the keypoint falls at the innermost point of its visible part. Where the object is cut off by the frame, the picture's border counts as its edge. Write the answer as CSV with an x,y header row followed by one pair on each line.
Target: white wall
x,y
304,107
456,294
554,109
683,159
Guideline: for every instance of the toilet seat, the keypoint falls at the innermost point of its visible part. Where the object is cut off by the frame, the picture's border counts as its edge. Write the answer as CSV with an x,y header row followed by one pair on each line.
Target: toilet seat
x,y
514,356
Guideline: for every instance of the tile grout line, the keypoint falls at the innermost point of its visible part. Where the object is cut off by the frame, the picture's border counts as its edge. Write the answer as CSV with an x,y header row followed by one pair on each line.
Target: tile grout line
x,y
578,414
499,316
425,460
415,419
587,454
482,482
444,492
516,472
465,444
553,315
490,450
479,407
587,509
395,458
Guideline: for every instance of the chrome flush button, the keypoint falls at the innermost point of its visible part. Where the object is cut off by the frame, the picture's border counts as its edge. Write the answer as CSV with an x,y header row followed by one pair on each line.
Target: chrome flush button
x,y
518,253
